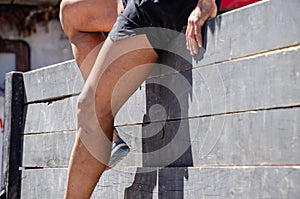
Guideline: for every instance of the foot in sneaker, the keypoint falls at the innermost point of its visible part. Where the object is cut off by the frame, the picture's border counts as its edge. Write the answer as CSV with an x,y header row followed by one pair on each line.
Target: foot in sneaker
x,y
119,151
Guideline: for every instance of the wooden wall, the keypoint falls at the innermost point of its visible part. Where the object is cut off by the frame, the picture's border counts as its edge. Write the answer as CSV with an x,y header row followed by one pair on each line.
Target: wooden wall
x,y
225,124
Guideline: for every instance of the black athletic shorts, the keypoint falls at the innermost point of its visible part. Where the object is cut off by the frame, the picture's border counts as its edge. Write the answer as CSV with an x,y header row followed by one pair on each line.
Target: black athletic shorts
x,y
160,20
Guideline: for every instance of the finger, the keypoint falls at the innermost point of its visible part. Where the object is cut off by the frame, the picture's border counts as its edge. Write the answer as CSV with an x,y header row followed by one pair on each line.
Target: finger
x,y
198,35
194,47
196,41
199,40
187,40
188,45
189,35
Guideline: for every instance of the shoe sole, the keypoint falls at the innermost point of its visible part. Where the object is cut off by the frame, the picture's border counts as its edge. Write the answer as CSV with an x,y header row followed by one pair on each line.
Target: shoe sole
x,y
118,153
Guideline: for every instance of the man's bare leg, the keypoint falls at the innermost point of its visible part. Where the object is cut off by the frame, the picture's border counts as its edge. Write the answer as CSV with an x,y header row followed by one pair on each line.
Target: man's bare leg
x,y
106,90
84,22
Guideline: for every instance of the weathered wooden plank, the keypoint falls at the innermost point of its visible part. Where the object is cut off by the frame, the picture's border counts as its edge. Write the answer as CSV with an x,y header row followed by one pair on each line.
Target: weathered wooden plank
x,y
189,183
11,176
52,116
43,183
252,138
54,149
50,183
231,182
55,81
47,150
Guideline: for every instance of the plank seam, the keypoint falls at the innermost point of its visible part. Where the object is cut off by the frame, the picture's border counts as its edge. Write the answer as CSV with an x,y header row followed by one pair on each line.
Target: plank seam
x,y
217,114
295,166
52,99
46,133
265,52
42,168
250,56
250,166
173,119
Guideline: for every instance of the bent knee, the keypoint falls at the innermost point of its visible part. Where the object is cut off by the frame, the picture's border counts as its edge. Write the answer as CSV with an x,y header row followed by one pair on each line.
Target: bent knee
x,y
84,104
88,106
67,15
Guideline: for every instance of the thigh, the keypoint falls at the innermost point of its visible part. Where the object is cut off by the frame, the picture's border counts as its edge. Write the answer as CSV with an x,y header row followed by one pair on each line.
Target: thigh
x,y
119,70
90,15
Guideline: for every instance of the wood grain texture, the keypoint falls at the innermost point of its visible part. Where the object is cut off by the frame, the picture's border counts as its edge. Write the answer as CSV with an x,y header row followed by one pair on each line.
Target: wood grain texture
x,y
48,150
178,183
53,149
52,82
52,116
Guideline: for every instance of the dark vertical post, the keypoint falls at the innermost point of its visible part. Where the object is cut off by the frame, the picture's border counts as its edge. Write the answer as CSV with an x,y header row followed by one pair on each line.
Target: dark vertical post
x,y
14,96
